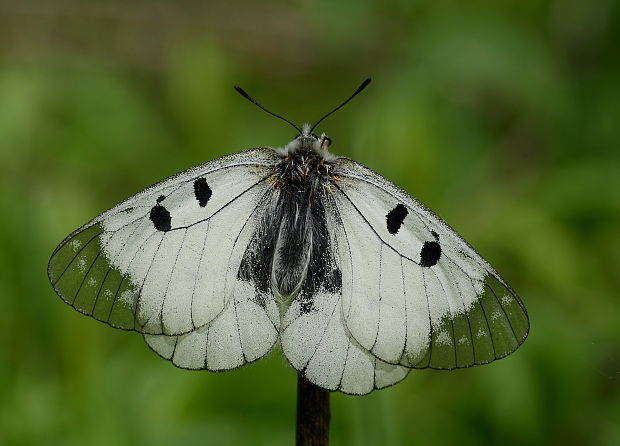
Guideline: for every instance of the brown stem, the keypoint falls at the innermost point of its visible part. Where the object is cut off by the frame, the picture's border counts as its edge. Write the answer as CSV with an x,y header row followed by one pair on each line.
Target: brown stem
x,y
313,414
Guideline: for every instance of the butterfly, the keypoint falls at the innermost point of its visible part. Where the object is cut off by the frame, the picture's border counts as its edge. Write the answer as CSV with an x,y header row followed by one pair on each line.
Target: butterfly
x,y
355,279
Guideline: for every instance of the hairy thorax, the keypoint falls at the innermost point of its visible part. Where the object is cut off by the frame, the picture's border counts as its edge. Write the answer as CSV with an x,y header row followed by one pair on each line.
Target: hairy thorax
x,y
301,180
303,172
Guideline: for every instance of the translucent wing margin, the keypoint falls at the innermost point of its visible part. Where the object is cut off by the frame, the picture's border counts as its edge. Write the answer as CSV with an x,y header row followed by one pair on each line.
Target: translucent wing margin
x,y
419,295
165,261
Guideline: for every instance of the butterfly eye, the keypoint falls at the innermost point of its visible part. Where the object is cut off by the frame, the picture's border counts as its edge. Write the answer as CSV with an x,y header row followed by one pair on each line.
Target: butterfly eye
x,y
326,141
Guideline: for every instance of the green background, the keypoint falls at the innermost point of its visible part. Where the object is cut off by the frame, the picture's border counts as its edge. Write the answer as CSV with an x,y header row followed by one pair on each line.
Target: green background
x,y
503,117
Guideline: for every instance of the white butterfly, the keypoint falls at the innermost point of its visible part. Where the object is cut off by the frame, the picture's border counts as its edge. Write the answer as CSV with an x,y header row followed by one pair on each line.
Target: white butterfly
x,y
356,279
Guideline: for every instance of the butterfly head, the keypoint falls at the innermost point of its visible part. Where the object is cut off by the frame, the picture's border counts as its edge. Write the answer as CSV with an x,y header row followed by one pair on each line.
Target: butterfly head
x,y
309,144
310,141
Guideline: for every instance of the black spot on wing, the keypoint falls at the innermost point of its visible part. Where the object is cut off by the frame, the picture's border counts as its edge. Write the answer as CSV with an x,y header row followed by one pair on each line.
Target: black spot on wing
x,y
160,218
394,218
202,191
430,254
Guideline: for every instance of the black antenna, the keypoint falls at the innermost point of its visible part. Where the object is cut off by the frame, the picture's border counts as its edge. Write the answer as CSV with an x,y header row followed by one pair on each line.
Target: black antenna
x,y
242,92
359,90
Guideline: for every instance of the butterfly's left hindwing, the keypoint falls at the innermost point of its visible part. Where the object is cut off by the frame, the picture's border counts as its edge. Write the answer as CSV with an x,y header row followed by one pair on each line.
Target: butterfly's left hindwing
x,y
414,292
165,262
244,332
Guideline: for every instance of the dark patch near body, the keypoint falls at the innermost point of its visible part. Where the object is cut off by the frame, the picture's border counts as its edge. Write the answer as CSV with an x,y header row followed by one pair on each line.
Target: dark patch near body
x,y
322,273
290,251
394,219
256,263
430,254
160,217
202,192
161,198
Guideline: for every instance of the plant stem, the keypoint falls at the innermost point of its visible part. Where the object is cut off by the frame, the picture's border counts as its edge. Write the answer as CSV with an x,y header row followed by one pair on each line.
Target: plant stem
x,y
313,414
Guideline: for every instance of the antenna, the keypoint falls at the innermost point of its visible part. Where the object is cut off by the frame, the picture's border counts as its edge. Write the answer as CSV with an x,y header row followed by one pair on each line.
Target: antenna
x,y
359,90
242,92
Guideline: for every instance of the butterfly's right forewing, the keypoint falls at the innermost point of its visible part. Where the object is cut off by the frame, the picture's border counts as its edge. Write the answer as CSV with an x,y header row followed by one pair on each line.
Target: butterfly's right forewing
x,y
417,294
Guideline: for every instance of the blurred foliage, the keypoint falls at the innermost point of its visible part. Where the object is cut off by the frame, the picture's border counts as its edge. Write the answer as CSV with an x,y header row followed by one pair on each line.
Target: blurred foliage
x,y
502,117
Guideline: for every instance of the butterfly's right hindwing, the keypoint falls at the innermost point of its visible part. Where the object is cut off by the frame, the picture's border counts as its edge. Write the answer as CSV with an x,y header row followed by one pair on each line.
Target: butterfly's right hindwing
x,y
315,339
166,260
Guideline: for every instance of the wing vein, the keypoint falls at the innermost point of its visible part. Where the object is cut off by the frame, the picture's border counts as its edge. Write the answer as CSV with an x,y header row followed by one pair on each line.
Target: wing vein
x,y
344,230
430,322
318,344
75,257
504,311
110,267
488,328
458,288
402,275
191,305
163,302
374,344
451,316
144,281
85,276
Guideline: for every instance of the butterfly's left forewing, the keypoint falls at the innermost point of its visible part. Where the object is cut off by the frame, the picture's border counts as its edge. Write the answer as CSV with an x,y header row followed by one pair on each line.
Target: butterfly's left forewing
x,y
418,295
166,260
